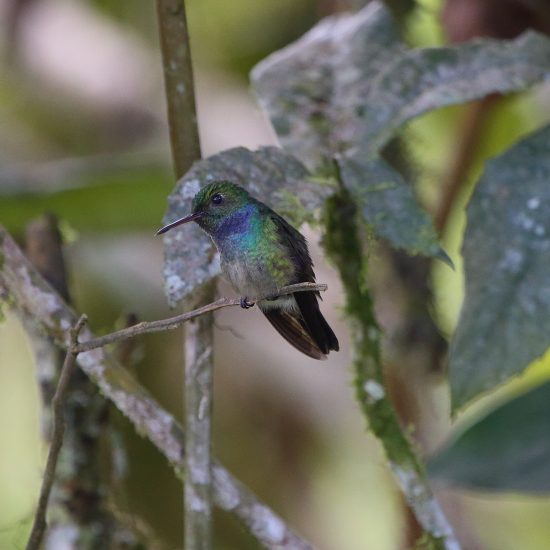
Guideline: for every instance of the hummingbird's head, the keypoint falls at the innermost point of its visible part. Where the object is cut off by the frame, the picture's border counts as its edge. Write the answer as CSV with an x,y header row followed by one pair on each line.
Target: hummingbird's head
x,y
212,205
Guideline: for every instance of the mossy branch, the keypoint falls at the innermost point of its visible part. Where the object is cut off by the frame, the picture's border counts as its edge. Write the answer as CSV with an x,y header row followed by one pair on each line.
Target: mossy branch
x,y
343,245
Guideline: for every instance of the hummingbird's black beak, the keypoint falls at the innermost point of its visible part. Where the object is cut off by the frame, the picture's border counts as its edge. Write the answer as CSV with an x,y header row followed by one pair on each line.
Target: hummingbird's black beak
x,y
190,218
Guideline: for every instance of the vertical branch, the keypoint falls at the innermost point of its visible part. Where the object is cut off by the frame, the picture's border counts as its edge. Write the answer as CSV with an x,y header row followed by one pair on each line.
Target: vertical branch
x,y
198,428
343,245
179,84
184,137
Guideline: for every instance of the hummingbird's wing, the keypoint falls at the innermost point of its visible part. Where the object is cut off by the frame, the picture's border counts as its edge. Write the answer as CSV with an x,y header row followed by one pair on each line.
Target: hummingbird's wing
x,y
307,326
293,330
296,248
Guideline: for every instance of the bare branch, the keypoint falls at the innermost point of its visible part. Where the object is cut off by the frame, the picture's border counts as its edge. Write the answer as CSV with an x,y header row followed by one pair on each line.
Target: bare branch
x,y
179,85
31,295
172,323
58,402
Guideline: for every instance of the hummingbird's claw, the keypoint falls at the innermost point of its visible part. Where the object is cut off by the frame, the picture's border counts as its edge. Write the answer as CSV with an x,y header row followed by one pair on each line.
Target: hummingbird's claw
x,y
245,304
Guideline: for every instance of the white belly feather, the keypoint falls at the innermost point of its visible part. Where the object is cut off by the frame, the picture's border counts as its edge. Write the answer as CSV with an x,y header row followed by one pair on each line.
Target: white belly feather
x,y
252,282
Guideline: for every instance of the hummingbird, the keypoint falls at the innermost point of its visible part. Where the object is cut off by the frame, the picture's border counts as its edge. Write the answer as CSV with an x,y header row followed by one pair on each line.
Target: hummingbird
x,y
260,252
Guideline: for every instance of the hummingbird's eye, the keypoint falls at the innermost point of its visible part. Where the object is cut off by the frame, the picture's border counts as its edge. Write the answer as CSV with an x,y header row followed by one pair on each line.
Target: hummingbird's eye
x,y
217,198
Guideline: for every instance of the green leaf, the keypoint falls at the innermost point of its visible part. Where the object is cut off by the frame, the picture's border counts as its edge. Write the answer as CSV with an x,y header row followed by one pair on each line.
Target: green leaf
x,y
505,320
350,83
387,203
429,78
269,174
315,89
507,450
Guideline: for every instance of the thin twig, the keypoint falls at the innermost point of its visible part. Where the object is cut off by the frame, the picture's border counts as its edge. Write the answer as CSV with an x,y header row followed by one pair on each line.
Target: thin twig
x,y
223,328
171,323
33,297
58,403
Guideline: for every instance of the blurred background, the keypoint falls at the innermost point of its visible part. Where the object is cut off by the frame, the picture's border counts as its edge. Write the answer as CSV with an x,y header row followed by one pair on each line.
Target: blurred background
x,y
83,134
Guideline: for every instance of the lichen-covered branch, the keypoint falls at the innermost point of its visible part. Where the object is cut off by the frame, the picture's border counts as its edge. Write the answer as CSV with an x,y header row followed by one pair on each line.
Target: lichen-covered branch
x,y
31,295
343,245
58,403
199,401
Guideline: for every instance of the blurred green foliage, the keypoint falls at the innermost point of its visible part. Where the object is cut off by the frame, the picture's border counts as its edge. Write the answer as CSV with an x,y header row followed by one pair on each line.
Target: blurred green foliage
x,y
227,36
506,450
128,201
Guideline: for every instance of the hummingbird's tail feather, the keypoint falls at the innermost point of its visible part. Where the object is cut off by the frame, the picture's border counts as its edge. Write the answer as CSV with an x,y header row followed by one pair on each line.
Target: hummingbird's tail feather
x,y
305,328
294,331
316,324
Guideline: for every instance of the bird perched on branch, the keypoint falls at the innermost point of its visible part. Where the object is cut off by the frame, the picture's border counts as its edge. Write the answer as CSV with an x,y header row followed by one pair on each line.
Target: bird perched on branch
x,y
260,253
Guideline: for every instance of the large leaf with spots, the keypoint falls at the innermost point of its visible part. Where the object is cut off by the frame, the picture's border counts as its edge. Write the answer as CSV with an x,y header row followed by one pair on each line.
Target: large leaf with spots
x,y
348,87
269,174
425,79
315,90
505,320
506,450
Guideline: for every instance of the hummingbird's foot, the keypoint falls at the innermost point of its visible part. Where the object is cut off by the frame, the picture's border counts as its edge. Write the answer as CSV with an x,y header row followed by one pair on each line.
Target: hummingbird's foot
x,y
245,304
